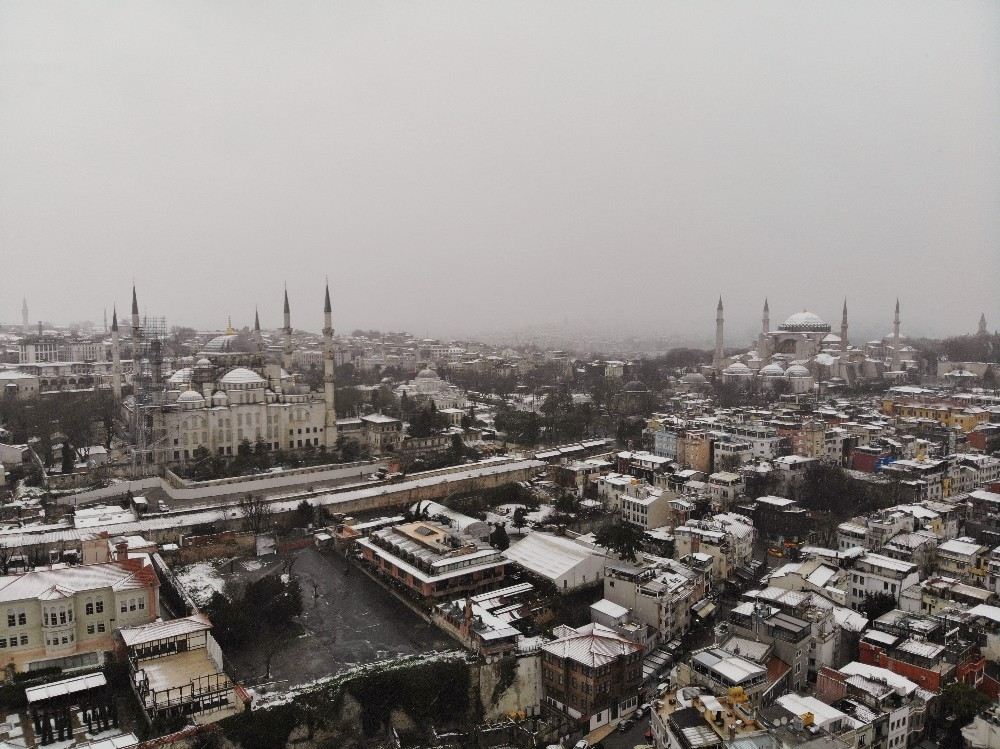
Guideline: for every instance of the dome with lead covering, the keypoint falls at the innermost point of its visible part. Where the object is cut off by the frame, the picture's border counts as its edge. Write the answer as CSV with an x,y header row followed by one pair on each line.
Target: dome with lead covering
x,y
427,374
772,370
805,322
694,378
242,377
190,396
797,370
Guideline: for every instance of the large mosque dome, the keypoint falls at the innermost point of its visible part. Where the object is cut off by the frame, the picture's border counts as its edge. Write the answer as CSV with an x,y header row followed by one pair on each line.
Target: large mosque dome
x,y
805,322
222,344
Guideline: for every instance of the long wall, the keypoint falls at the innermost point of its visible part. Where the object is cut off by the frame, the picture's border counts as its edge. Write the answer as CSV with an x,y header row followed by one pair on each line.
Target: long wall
x,y
167,528
178,489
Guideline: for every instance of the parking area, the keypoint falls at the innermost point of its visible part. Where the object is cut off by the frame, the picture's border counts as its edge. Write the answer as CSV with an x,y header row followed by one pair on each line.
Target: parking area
x,y
347,620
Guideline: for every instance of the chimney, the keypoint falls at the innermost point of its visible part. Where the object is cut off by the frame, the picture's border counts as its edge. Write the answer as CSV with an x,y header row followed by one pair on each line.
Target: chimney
x,y
121,549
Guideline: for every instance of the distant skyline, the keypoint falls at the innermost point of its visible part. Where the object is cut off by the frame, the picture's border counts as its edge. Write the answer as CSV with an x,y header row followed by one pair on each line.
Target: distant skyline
x,y
740,331
462,169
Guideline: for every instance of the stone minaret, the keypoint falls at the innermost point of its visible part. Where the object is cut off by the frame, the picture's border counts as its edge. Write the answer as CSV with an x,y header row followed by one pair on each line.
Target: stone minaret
x,y
982,324
330,424
765,326
135,331
843,329
286,359
24,316
717,359
116,358
258,337
895,340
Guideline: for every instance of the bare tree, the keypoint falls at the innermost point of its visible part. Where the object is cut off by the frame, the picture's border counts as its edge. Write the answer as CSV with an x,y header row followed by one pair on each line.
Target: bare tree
x,y
256,513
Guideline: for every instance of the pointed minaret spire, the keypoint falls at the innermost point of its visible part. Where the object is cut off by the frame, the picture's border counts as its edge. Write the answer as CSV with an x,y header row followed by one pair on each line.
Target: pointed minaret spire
x,y
895,340
286,358
116,357
256,319
763,344
843,328
717,359
329,390
982,324
136,348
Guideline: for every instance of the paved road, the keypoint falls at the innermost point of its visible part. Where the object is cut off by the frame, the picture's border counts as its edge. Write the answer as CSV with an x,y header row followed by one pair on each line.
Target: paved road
x,y
631,738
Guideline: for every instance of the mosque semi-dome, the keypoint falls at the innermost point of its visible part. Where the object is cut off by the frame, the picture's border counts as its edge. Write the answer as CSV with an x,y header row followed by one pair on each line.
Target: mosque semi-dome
x,y
772,370
190,396
242,376
797,370
805,322
180,376
737,368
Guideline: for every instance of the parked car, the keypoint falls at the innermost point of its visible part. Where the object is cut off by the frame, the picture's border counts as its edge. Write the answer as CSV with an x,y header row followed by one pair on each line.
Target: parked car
x,y
582,744
643,709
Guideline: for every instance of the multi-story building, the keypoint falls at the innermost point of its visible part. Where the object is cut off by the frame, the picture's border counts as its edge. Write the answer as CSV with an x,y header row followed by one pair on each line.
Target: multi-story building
x,y
870,694
965,559
983,522
690,718
659,595
645,506
67,617
875,574
727,538
431,560
590,675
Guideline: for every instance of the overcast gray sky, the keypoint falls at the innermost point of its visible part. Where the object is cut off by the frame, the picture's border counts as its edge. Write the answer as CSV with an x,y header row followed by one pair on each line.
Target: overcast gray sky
x,y
460,167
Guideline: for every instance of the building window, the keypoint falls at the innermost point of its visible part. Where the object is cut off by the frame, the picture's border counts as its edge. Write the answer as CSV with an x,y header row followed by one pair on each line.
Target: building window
x,y
124,607
24,639
100,626
99,606
90,629
22,618
142,604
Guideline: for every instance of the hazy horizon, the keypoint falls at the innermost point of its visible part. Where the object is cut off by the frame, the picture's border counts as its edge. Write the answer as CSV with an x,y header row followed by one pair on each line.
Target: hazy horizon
x,y
462,169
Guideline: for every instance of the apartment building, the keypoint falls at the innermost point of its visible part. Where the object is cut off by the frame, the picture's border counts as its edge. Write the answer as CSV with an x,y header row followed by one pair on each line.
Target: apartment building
x,y
432,561
965,559
660,595
67,616
590,675
875,574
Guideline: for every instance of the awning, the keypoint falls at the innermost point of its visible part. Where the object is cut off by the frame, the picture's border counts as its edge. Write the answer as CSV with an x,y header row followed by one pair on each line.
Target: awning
x,y
703,609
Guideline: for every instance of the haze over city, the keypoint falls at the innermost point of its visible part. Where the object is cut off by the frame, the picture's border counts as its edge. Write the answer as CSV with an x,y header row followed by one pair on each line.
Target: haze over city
x,y
463,169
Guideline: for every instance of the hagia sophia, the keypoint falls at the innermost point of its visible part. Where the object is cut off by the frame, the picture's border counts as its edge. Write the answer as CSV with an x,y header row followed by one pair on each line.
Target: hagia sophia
x,y
803,351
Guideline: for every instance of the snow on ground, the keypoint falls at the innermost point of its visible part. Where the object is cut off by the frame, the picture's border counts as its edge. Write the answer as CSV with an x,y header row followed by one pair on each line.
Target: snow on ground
x,y
270,694
201,580
505,514
252,565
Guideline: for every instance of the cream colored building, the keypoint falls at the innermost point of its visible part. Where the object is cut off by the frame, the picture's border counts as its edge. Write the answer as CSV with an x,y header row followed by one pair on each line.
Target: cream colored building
x,y
67,616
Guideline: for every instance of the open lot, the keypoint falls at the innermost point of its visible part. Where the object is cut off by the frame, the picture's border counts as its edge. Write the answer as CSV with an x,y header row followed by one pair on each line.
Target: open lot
x,y
347,620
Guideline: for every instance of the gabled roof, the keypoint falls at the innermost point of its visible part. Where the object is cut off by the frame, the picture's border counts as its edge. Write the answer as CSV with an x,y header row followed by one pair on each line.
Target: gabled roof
x,y
592,645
